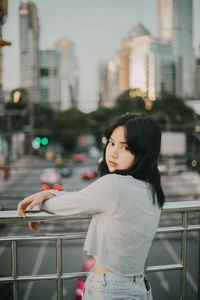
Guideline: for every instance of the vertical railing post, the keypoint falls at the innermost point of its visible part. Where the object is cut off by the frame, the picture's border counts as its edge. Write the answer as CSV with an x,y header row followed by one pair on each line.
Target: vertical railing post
x,y
199,265
59,269
184,255
14,268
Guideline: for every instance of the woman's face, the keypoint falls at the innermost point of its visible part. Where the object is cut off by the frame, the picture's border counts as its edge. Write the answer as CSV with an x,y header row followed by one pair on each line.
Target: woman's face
x,y
118,156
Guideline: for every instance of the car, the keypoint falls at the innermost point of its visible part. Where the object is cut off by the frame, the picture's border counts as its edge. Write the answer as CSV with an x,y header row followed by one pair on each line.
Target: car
x,y
88,265
66,172
50,179
88,174
80,157
94,152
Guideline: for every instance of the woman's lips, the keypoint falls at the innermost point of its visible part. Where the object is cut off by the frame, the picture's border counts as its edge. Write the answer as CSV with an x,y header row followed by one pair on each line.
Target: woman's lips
x,y
112,163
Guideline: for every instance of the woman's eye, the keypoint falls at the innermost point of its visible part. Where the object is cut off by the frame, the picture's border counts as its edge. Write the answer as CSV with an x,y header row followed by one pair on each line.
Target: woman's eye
x,y
111,143
124,148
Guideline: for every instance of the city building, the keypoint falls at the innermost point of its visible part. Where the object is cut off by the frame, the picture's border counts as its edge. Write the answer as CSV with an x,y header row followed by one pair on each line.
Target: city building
x,y
125,66
49,77
175,27
29,50
146,65
197,78
103,84
3,17
59,75
69,73
151,64
113,79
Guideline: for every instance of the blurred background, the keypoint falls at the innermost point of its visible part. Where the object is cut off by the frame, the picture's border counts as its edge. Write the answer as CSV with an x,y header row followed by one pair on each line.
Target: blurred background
x,y
67,68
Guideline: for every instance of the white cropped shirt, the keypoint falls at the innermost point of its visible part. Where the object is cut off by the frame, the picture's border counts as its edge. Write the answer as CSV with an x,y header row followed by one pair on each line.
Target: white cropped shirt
x,y
124,220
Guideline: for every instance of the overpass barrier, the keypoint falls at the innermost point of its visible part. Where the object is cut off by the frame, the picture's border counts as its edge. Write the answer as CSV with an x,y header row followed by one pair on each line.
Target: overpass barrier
x,y
182,208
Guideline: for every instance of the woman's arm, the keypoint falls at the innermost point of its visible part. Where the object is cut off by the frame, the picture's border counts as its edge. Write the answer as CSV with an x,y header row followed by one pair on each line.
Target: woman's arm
x,y
29,202
99,197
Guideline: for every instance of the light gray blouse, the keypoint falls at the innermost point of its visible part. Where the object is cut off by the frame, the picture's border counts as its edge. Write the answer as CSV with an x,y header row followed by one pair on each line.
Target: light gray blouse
x,y
124,220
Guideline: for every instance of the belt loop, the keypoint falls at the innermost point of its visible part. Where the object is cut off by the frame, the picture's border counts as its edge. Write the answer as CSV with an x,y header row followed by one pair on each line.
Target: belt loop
x,y
104,279
134,278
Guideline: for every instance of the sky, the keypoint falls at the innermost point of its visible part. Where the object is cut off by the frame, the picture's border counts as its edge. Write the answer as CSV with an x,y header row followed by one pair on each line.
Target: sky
x,y
96,27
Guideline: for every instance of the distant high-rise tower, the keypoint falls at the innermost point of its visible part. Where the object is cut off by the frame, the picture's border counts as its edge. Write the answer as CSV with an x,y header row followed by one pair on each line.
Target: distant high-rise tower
x,y
3,17
29,50
59,75
151,64
68,73
175,22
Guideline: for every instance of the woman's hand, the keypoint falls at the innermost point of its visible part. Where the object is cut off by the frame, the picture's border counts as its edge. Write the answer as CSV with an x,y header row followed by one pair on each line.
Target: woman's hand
x,y
34,226
29,202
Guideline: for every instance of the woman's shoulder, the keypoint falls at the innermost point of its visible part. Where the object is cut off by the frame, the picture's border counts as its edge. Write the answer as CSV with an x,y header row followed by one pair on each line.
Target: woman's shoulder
x,y
109,178
123,179
113,179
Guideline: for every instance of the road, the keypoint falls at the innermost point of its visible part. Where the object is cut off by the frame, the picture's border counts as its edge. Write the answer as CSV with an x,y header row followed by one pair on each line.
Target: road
x,y
39,257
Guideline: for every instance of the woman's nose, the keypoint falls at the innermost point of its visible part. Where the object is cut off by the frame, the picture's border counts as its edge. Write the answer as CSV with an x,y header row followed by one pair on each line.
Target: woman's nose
x,y
114,152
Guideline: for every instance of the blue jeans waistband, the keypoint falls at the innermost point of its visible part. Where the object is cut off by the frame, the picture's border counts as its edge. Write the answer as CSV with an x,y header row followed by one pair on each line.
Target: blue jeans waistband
x,y
114,277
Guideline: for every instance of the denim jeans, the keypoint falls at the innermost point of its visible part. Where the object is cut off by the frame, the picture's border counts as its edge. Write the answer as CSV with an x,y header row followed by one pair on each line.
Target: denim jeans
x,y
109,286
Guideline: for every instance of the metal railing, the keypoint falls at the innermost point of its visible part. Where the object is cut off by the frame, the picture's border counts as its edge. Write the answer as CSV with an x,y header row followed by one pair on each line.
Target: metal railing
x,y
183,208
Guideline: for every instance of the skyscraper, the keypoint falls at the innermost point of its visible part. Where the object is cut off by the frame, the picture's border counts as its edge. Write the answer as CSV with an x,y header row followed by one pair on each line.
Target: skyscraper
x,y
29,50
59,75
146,65
103,84
49,77
151,64
175,21
197,78
68,73
3,17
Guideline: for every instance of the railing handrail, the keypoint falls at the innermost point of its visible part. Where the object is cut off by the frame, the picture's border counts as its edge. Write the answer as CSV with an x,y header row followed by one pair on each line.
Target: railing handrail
x,y
11,216
181,207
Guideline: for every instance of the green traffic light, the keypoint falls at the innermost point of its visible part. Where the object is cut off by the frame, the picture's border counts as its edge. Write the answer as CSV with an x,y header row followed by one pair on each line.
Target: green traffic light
x,y
38,140
44,141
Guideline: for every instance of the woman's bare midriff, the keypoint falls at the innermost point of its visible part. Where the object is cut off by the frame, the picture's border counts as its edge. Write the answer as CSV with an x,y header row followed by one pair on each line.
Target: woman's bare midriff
x,y
99,269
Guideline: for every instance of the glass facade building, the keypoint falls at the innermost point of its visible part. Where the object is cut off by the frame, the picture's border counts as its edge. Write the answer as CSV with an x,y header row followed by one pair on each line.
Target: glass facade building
x,y
175,25
145,64
113,77
68,72
197,78
151,65
29,50
59,75
49,77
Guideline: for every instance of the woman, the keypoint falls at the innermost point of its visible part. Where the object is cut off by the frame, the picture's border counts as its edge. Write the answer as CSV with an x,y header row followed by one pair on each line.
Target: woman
x,y
125,204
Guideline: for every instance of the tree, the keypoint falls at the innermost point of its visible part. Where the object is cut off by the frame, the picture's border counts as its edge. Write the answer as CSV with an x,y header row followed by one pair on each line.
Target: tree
x,y
99,120
68,125
126,103
173,114
43,117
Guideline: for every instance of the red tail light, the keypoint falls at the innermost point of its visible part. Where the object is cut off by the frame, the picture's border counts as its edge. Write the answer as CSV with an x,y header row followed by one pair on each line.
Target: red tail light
x,y
76,157
45,186
57,187
90,175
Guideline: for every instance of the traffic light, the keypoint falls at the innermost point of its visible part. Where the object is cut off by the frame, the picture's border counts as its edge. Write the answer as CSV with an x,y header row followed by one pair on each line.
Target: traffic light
x,y
16,96
37,142
44,141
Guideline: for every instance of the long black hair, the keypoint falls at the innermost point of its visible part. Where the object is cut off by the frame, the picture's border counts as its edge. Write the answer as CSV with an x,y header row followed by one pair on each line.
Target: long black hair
x,y
143,137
